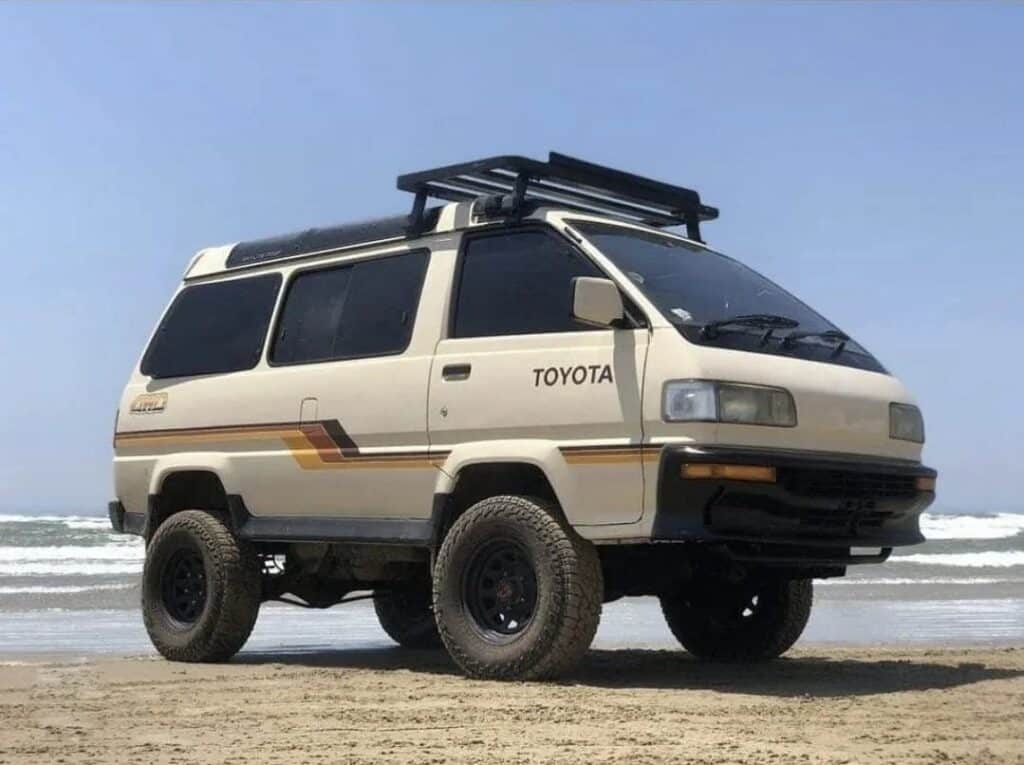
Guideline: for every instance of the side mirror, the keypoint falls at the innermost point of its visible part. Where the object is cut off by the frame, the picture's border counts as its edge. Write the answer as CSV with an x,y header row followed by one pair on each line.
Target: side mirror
x,y
596,301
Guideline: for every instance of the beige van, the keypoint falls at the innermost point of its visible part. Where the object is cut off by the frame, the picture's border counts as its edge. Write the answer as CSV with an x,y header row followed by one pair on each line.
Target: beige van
x,y
499,413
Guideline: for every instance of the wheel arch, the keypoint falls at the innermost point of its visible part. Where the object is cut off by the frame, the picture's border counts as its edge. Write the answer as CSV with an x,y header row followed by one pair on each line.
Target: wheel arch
x,y
478,479
196,484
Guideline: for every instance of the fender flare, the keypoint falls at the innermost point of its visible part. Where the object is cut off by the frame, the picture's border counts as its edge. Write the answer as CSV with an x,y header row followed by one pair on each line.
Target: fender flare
x,y
204,462
542,454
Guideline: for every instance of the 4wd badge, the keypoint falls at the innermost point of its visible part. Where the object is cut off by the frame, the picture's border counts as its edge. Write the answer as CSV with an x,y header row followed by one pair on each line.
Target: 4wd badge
x,y
149,403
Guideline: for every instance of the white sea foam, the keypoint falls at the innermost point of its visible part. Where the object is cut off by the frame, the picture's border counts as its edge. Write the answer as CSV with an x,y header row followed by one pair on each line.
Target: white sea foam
x,y
990,559
69,568
866,582
115,552
95,521
994,526
88,524
62,590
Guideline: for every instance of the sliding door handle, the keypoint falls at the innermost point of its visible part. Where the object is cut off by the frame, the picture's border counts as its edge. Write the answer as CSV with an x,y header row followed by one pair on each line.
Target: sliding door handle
x,y
456,371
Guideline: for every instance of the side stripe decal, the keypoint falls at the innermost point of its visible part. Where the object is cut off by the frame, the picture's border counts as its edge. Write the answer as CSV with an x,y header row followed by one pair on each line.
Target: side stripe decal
x,y
611,454
325,445
314,445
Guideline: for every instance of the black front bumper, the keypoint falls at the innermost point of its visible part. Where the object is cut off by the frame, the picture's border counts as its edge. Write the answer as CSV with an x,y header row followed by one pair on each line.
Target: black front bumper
x,y
816,500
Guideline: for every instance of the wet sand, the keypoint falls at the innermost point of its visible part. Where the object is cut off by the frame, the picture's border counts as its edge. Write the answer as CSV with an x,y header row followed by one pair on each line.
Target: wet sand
x,y
821,704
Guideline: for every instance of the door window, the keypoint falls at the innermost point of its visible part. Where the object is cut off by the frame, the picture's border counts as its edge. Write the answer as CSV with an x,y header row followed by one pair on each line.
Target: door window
x,y
518,283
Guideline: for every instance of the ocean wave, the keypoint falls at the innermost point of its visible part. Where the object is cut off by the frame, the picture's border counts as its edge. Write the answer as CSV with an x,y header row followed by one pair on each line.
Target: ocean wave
x,y
93,520
903,580
62,589
116,552
989,526
990,559
73,568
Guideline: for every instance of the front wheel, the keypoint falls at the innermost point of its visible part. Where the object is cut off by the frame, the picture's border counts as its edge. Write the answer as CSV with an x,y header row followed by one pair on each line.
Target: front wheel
x,y
201,589
746,621
516,594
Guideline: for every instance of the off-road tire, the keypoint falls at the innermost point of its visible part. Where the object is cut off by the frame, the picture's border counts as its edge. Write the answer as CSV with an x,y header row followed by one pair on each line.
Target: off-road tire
x,y
407,615
781,613
569,590
232,583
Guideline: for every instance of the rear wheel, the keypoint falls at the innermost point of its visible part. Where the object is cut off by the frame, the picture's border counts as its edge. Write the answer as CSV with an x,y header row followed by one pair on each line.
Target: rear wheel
x,y
407,614
747,621
516,594
200,589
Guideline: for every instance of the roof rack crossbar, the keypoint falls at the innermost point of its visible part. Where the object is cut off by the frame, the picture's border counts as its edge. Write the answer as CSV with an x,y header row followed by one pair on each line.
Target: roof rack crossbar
x,y
591,193
463,188
566,182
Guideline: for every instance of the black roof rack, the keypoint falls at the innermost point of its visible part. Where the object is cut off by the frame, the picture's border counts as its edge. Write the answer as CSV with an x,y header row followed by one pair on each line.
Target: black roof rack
x,y
507,183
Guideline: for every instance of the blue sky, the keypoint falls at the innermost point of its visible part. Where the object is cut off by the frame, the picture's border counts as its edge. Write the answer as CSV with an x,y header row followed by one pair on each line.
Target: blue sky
x,y
869,157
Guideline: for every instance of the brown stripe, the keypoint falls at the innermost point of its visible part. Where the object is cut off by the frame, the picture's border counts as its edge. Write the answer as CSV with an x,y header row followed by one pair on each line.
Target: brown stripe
x,y
325,444
314,445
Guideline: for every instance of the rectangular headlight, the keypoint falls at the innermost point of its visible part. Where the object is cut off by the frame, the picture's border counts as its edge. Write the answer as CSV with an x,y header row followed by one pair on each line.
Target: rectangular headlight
x,y
906,423
709,401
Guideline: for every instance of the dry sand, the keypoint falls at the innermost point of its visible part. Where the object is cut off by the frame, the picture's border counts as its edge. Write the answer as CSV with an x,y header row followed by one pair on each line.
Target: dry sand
x,y
818,705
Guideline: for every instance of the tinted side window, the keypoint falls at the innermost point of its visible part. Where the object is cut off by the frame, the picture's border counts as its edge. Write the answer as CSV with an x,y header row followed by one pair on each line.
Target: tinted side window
x,y
366,309
213,328
517,284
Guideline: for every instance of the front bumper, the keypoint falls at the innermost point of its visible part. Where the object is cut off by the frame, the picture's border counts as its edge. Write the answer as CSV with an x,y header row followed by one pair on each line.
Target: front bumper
x,y
815,499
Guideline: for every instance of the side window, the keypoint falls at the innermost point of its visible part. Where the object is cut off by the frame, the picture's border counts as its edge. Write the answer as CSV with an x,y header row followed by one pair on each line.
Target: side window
x,y
517,284
365,309
213,328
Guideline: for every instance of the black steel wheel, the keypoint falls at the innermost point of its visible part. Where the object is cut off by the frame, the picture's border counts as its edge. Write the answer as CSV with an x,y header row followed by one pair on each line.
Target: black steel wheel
x,y
201,588
406,613
517,594
499,589
752,620
183,584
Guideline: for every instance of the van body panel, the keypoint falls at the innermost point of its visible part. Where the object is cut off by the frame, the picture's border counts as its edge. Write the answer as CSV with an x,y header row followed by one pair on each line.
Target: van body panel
x,y
378,437
578,391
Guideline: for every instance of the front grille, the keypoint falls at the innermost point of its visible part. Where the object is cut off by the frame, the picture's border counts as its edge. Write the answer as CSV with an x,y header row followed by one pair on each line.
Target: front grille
x,y
842,484
845,520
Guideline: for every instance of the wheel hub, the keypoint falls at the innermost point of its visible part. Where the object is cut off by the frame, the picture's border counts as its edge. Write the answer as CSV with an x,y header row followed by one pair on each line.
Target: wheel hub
x,y
500,590
184,586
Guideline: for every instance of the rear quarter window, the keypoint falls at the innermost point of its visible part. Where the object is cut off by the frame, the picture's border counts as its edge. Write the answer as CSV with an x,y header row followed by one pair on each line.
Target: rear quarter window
x,y
213,328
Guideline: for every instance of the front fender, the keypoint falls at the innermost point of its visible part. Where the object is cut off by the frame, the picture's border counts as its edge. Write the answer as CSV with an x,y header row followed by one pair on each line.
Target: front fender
x,y
543,454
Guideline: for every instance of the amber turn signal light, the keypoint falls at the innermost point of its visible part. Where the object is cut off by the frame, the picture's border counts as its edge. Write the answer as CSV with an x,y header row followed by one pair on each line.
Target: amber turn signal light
x,y
924,483
729,472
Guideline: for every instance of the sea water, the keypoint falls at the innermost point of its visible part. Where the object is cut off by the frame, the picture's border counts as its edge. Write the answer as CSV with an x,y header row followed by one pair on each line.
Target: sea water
x,y
68,585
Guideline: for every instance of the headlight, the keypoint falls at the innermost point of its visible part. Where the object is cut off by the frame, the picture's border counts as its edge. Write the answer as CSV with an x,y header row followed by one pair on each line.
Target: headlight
x,y
707,401
906,423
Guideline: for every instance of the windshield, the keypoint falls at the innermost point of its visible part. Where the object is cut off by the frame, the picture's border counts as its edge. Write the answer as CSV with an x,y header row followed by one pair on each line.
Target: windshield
x,y
715,300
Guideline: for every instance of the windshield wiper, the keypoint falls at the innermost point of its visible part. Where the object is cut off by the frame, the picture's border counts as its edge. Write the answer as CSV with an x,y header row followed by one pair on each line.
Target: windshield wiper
x,y
759,320
841,338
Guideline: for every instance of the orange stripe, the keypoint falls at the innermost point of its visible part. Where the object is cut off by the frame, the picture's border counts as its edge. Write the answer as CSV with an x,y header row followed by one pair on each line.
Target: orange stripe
x,y
310,445
313,448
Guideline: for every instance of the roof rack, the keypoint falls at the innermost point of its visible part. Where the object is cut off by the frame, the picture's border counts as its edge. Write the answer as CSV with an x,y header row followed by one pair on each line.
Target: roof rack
x,y
506,184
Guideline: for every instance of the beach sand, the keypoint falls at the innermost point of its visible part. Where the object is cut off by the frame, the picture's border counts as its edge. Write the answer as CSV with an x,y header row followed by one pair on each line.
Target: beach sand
x,y
828,705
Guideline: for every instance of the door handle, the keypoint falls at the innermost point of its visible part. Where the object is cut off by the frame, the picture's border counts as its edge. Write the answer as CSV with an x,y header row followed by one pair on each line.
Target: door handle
x,y
455,372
